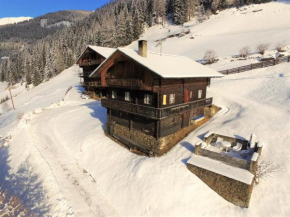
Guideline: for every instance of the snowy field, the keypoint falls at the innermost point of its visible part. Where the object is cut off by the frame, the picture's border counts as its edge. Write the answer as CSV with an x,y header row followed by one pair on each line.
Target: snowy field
x,y
62,156
226,33
60,163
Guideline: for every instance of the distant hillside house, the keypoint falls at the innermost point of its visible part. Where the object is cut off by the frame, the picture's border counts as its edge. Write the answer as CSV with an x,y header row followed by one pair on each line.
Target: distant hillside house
x,y
151,96
89,60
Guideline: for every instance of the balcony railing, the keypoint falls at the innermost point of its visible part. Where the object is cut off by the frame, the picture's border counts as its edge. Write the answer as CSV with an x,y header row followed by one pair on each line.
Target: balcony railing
x,y
155,113
84,74
91,84
90,62
119,82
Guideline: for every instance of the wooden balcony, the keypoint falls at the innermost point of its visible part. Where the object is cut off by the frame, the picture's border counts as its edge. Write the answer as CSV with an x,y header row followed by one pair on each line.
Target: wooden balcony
x,y
91,84
90,62
82,75
126,83
154,113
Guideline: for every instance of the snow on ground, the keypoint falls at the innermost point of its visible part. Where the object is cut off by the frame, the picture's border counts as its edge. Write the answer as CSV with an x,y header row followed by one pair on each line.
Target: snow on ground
x,y
227,32
39,97
12,20
80,172
60,163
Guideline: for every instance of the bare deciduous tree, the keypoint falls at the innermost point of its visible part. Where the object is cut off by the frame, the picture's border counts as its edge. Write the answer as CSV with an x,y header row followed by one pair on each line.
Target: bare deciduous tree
x,y
266,168
261,48
245,51
279,46
210,56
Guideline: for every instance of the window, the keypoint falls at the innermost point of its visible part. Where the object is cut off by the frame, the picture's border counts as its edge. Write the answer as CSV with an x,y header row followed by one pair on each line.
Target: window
x,y
172,99
190,95
127,96
114,94
199,94
164,99
147,99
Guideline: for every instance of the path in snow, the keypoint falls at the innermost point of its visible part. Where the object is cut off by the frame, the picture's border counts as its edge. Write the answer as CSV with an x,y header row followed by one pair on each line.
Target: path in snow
x,y
78,187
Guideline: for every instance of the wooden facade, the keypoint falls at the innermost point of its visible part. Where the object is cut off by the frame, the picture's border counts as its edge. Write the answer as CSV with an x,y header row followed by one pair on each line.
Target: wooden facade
x,y
140,100
89,61
145,108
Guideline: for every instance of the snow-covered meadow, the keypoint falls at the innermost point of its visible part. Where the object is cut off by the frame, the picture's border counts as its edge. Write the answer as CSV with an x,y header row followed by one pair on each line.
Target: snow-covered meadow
x,y
60,163
225,33
78,171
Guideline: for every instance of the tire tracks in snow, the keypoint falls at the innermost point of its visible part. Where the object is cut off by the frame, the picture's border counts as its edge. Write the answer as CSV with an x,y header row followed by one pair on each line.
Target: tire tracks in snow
x,y
79,188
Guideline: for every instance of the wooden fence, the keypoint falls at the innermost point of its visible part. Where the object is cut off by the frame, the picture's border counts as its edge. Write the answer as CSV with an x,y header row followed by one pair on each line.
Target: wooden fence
x,y
262,64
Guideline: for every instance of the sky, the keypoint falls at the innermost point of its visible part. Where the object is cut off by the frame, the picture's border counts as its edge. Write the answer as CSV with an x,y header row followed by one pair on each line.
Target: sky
x,y
34,8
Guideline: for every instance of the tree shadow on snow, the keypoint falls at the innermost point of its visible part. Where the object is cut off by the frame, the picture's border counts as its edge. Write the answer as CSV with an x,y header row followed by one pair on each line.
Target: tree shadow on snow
x,y
79,88
24,184
98,112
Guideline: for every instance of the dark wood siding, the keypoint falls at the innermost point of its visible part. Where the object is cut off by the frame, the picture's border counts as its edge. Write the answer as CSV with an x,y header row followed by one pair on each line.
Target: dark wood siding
x,y
144,125
120,118
170,125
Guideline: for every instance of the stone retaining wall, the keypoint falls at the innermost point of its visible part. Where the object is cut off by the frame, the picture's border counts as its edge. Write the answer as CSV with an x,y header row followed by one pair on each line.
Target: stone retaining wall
x,y
231,190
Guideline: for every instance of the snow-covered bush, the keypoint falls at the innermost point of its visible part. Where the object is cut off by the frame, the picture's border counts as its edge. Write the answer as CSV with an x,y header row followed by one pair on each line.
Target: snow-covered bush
x,y
210,56
279,46
261,48
245,51
265,169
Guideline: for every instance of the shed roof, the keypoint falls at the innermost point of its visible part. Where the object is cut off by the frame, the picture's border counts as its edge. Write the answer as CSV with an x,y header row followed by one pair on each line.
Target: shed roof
x,y
167,66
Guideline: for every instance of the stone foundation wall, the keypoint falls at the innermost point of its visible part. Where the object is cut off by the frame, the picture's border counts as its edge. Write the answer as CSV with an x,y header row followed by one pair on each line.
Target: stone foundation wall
x,y
231,190
135,138
148,144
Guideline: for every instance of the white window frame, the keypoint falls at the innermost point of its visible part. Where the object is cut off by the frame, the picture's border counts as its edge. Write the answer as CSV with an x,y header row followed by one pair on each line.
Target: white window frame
x,y
199,94
172,98
147,99
127,96
114,94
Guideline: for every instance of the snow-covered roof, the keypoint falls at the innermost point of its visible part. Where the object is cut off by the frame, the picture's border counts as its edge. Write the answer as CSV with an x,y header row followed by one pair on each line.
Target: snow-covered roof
x,y
103,51
221,168
168,66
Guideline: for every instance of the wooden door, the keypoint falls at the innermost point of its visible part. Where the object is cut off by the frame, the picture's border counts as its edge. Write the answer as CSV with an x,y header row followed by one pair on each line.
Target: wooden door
x,y
186,96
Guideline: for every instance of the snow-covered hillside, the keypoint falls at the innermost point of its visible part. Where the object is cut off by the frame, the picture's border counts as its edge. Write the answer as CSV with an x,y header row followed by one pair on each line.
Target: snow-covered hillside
x,y
80,172
227,32
12,20
59,162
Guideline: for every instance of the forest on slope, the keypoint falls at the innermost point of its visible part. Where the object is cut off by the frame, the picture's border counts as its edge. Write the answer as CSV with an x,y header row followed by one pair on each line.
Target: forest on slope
x,y
15,36
117,23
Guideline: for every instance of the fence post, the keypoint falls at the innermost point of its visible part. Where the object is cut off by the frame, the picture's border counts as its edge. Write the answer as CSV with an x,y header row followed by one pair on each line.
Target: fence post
x,y
274,61
288,59
251,66
262,64
238,70
228,71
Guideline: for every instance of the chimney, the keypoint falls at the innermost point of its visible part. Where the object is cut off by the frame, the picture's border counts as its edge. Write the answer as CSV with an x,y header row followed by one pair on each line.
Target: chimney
x,y
142,45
